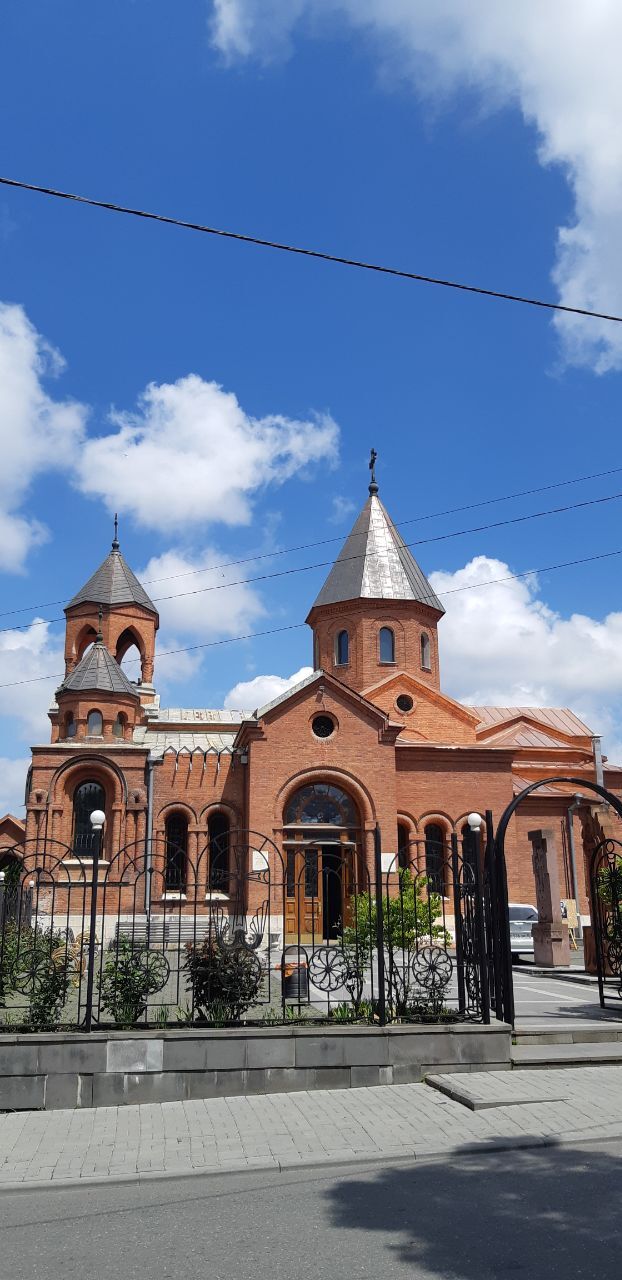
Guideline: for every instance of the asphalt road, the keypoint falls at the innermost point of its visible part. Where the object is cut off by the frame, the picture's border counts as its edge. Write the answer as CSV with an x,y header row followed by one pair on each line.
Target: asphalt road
x,y
540,1214
539,999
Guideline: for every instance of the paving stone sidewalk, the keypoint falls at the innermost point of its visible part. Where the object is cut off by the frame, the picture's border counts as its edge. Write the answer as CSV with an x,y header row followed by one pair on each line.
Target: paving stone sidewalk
x,y
283,1131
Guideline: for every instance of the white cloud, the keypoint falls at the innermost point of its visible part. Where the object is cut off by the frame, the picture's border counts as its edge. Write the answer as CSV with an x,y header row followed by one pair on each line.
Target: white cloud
x,y
24,657
248,695
12,786
558,61
176,581
37,433
503,645
342,508
191,455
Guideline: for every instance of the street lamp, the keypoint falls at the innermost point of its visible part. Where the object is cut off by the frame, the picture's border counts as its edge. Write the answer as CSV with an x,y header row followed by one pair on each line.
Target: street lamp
x,y
98,819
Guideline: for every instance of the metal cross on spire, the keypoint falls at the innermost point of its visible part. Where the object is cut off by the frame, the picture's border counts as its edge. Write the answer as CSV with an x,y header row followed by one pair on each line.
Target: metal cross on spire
x,y
115,541
99,637
373,487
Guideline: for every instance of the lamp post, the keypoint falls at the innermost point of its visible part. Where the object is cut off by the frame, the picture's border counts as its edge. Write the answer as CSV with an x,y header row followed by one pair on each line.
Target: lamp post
x,y
98,819
474,821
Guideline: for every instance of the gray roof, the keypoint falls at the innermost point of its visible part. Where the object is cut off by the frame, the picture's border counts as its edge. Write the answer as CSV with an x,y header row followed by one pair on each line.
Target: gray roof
x,y
200,715
375,564
183,743
97,671
113,583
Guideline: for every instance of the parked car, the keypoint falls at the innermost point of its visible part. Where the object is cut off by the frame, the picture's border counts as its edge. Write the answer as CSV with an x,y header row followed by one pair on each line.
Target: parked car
x,y
522,917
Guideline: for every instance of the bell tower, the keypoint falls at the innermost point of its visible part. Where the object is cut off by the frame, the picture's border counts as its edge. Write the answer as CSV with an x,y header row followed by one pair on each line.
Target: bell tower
x,y
113,606
376,614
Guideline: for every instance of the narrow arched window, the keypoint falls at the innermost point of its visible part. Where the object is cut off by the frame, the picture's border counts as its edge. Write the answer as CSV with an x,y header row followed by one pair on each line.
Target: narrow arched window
x,y
342,649
403,846
426,652
70,725
88,797
218,836
435,857
176,853
387,645
118,727
95,724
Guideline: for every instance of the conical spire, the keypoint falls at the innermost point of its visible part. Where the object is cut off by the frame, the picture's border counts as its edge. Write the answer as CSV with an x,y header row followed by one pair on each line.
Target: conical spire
x,y
375,563
113,583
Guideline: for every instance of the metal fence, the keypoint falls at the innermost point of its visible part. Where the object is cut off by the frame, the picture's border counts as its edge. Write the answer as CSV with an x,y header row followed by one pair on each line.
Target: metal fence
x,y
606,917
244,934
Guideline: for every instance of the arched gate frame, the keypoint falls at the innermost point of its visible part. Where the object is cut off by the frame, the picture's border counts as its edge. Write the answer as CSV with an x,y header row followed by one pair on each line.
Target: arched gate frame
x,y
500,957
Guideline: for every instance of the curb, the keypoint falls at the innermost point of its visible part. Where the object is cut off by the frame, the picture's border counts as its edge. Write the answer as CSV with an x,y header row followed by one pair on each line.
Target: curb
x,y
420,1155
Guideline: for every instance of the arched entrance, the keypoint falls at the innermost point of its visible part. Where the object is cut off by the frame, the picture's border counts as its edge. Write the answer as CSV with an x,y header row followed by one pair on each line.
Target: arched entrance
x,y
499,950
321,834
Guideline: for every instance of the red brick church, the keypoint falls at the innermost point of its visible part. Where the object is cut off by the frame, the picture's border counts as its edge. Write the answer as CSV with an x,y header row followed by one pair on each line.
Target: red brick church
x,y
370,737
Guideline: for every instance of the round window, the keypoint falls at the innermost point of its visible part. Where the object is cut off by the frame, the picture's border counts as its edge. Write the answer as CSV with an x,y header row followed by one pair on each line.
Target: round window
x,y
323,726
404,702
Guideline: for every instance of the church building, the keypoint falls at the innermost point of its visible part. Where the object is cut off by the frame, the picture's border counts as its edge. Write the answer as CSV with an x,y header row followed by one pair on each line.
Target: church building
x,y
369,738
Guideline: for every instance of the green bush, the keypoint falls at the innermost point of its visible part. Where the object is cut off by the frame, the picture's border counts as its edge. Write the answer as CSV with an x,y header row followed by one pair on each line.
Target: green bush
x,y
225,980
609,883
130,975
41,965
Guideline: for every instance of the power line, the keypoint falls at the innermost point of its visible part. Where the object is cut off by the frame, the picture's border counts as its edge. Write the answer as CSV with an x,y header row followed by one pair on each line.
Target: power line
x,y
323,564
309,253
296,626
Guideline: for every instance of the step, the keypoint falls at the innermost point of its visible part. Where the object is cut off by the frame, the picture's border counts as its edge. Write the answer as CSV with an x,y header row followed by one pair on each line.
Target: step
x,y
584,1032
578,1054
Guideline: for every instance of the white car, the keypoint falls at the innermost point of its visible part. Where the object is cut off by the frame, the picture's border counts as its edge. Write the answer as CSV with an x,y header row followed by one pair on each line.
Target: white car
x,y
522,917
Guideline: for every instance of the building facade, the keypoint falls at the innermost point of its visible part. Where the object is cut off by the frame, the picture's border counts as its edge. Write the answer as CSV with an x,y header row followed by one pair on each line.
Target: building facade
x,y
369,738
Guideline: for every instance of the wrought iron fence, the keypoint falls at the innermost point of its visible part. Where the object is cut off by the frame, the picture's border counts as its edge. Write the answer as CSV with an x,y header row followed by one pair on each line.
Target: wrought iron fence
x,y
606,916
312,934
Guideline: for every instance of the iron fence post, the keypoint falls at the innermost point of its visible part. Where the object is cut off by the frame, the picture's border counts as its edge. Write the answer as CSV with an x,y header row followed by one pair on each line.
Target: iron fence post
x,y
479,924
90,975
494,931
382,995
455,866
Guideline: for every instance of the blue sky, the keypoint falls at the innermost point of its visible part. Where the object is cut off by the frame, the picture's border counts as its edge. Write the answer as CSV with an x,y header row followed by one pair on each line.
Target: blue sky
x,y
356,129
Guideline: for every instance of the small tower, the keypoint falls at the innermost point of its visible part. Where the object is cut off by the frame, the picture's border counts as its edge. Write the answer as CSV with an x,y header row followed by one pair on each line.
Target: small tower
x,y
96,701
128,616
376,613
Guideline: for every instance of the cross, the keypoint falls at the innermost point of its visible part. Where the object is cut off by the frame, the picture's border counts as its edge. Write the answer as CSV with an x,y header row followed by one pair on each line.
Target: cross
x,y
372,465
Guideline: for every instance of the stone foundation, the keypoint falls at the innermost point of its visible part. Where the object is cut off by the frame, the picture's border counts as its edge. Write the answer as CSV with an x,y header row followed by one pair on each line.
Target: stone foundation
x,y
64,1070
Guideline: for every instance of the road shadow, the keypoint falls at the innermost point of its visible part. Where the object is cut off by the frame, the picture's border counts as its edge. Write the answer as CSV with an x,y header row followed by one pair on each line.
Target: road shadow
x,y
540,1213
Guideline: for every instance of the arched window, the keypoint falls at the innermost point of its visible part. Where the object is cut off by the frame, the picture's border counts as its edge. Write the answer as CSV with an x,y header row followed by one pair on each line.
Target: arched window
x,y
95,724
86,798
426,660
387,645
435,857
403,845
176,853
342,649
316,651
128,654
118,727
218,834
320,804
70,726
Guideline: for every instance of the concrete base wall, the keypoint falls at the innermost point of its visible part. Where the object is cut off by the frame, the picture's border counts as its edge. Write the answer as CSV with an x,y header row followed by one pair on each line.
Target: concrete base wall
x,y
49,1071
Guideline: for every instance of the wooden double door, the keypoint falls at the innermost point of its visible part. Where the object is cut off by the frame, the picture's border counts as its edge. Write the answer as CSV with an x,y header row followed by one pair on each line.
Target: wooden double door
x,y
318,889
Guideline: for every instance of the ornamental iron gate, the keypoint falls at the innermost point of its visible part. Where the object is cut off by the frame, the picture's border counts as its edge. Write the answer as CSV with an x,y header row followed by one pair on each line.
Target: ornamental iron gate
x,y
606,914
155,938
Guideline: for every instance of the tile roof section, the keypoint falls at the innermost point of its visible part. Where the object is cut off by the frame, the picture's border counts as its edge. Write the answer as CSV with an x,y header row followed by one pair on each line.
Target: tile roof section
x,y
112,584
96,672
375,564
559,719
201,715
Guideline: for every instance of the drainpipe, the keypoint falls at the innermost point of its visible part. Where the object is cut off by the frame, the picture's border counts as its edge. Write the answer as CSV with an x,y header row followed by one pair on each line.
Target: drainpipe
x,y
572,809
151,762
598,761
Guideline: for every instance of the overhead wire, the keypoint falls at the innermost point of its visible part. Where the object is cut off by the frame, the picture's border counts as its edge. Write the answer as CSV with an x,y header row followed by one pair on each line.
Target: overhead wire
x,y
112,207
296,626
323,564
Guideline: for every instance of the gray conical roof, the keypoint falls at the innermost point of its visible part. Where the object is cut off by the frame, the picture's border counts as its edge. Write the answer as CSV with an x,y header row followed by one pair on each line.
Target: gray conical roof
x,y
98,671
112,584
375,564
